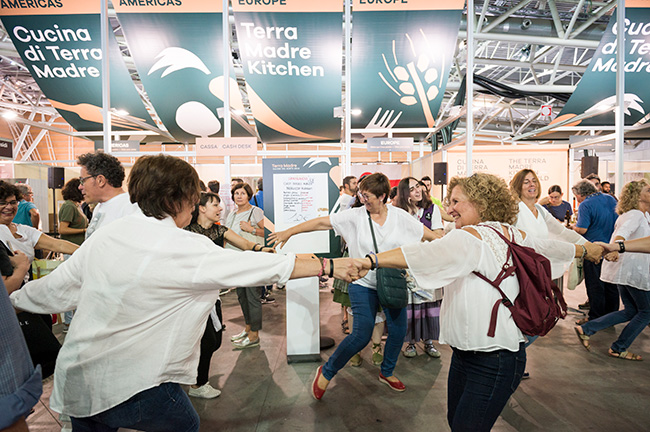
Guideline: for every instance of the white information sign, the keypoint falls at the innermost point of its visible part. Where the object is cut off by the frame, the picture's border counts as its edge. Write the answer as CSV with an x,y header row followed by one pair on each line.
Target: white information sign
x,y
298,198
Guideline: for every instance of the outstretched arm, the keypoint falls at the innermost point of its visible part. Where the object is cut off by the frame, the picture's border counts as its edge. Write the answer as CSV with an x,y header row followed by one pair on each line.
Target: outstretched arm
x,y
316,224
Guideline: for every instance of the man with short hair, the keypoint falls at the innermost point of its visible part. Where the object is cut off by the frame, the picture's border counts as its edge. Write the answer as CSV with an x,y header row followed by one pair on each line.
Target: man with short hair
x,y
596,219
595,180
101,182
258,198
214,186
27,213
347,196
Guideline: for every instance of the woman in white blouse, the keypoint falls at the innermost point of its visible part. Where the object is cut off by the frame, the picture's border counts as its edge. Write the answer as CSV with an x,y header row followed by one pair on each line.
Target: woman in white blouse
x,y
484,370
629,271
392,227
143,289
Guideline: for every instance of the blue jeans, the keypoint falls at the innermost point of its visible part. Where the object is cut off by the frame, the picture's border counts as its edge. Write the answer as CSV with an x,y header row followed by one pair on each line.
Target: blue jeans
x,y
479,386
603,296
636,310
165,408
364,308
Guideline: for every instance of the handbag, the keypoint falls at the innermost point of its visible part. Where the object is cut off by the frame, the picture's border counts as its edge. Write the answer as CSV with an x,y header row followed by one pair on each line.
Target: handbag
x,y
576,274
391,283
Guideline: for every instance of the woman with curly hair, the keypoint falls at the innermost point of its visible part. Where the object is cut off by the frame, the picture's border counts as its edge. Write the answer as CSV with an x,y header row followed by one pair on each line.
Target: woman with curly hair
x,y
484,370
628,271
423,311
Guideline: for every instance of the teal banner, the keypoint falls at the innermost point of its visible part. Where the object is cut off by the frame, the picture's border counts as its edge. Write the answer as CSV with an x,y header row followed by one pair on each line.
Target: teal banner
x,y
63,54
291,57
596,90
178,52
400,63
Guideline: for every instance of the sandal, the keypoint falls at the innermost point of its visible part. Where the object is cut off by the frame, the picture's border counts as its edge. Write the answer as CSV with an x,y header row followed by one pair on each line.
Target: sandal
x,y
582,321
625,355
584,339
344,327
377,356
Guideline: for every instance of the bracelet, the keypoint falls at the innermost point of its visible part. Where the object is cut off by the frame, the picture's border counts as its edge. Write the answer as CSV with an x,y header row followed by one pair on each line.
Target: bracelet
x,y
255,246
331,268
322,267
621,246
373,263
584,251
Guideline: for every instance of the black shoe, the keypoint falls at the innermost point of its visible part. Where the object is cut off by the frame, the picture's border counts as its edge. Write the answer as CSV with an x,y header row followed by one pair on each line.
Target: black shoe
x,y
268,300
584,306
526,375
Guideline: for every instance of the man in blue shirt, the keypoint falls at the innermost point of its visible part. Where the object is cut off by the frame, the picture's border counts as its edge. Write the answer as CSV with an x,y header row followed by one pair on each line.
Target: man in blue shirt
x,y
596,218
27,213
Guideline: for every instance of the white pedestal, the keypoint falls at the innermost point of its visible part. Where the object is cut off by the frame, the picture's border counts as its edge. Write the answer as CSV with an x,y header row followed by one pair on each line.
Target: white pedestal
x,y
303,320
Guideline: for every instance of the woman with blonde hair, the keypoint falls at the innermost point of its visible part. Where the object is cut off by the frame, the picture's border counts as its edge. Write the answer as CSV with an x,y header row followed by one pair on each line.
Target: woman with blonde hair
x,y
485,370
629,271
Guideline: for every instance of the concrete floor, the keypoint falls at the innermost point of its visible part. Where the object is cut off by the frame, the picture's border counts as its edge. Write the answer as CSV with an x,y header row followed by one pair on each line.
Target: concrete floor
x,y
570,389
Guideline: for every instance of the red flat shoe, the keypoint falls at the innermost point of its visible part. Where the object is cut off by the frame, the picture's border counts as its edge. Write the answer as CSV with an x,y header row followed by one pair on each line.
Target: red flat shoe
x,y
316,391
395,385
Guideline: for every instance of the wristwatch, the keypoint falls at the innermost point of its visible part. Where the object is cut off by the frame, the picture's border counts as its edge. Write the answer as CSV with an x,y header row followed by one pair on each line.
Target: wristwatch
x,y
621,246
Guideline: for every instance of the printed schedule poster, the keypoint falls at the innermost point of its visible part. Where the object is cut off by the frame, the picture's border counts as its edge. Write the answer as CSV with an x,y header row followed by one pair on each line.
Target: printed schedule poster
x,y
297,190
299,198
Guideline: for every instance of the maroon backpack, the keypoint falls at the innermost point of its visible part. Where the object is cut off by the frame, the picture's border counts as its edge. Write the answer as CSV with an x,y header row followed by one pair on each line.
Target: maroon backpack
x,y
540,302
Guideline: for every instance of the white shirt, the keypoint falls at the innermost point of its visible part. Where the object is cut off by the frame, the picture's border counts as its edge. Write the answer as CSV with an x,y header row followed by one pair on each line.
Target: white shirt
x,y
545,226
466,308
143,289
632,269
400,228
344,202
110,211
253,216
26,243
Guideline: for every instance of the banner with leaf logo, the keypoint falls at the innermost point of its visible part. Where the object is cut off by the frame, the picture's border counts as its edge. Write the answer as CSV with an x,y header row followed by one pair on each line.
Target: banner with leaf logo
x,y
60,43
401,57
596,91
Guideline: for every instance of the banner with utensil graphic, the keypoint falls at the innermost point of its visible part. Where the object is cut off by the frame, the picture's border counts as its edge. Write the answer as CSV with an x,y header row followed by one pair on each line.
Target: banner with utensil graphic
x,y
178,51
60,43
401,57
291,55
596,91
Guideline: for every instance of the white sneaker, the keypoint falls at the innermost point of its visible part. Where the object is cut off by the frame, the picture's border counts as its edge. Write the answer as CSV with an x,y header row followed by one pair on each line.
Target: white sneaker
x,y
206,391
240,336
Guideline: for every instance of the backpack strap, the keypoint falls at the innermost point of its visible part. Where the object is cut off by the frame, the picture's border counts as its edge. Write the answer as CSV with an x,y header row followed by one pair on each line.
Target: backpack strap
x,y
506,272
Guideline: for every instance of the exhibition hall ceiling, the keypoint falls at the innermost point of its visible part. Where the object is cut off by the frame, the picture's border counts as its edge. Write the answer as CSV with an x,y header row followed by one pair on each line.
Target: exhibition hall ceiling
x,y
529,56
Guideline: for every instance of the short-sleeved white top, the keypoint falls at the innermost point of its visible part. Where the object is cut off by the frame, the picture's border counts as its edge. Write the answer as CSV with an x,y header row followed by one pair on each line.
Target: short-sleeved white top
x,y
399,229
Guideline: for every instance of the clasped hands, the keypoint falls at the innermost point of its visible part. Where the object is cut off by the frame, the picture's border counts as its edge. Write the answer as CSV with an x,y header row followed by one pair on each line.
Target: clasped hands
x,y
351,269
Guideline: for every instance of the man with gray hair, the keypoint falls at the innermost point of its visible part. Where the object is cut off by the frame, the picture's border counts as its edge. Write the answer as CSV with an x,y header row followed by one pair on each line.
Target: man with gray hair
x,y
596,218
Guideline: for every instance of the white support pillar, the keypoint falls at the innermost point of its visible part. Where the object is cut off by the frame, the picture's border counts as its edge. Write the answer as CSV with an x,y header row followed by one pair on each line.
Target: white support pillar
x,y
469,81
227,131
106,78
619,112
347,167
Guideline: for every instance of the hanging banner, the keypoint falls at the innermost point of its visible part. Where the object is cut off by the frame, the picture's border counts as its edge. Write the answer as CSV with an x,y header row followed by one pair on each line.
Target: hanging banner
x,y
401,56
60,43
178,50
596,91
291,55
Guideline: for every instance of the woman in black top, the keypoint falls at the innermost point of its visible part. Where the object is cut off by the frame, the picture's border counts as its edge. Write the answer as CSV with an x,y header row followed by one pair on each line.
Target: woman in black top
x,y
204,221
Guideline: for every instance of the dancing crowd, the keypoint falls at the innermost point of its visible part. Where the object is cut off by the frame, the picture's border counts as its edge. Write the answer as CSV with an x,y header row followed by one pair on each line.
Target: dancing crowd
x,y
152,306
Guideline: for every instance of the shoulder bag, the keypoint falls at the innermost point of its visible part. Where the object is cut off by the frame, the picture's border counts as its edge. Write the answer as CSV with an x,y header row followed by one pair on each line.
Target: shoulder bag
x,y
391,283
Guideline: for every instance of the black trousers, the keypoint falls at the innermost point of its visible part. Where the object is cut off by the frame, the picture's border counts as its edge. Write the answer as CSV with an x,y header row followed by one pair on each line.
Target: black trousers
x,y
42,344
210,342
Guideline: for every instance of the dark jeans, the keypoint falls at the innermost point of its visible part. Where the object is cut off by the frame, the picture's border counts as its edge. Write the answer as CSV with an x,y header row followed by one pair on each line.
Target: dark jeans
x,y
250,300
165,408
603,296
479,386
365,304
210,342
42,344
636,310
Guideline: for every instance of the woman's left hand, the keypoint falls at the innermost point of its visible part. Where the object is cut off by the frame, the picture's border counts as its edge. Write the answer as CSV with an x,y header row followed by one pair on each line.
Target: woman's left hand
x,y
268,250
246,227
612,256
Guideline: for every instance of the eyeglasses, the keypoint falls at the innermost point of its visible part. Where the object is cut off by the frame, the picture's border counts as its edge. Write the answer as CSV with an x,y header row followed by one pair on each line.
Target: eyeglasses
x,y
363,197
82,180
6,203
